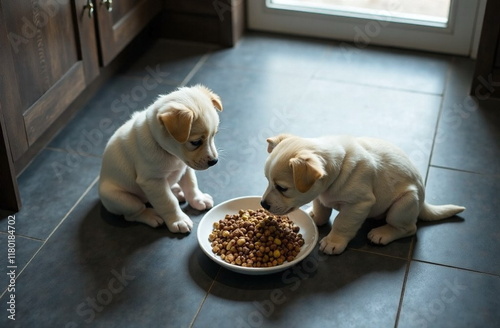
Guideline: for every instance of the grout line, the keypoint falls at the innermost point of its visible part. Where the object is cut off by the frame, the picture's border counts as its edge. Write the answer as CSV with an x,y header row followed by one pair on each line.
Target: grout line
x,y
194,70
401,297
457,268
405,280
374,86
465,171
438,121
54,230
23,236
375,253
204,299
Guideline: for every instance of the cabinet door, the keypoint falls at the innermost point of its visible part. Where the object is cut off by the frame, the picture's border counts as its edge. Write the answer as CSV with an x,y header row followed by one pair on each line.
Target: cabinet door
x,y
48,57
120,21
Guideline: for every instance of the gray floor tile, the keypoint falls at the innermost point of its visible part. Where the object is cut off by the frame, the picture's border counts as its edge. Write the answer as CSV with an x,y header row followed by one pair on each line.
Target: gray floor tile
x,y
355,289
49,187
269,53
169,60
469,240
469,132
437,296
388,68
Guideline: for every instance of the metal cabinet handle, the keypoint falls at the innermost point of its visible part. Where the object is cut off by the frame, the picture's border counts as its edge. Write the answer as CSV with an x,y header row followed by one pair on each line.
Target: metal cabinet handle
x,y
108,4
90,7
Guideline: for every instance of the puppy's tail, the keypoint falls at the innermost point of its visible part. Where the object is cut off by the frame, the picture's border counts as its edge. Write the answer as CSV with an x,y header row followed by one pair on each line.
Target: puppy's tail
x,y
437,212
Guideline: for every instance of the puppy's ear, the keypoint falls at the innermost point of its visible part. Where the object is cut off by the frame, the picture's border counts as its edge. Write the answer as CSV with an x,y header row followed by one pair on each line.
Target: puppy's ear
x,y
274,141
216,101
213,97
178,122
307,168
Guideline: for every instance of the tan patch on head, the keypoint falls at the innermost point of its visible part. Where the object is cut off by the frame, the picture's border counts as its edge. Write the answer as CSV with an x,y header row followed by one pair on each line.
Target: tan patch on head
x,y
307,168
178,121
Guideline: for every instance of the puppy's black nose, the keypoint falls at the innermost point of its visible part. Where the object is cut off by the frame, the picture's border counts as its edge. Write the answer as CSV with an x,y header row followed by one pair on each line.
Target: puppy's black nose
x,y
212,162
265,205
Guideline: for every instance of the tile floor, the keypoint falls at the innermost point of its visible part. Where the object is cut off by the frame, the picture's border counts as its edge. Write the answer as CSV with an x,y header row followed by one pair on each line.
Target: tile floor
x,y
77,267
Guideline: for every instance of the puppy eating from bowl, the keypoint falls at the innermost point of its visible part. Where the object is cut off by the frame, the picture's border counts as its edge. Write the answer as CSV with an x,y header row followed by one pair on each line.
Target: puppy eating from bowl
x,y
153,157
358,177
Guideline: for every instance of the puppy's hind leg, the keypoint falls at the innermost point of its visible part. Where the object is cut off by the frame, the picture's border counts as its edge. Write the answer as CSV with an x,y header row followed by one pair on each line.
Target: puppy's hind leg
x,y
401,220
131,207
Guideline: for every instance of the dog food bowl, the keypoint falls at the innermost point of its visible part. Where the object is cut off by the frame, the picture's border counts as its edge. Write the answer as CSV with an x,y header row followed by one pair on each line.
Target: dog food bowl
x,y
300,218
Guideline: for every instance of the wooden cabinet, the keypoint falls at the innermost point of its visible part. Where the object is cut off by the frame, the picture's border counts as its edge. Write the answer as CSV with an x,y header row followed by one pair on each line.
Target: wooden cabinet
x,y
215,21
50,53
120,21
45,64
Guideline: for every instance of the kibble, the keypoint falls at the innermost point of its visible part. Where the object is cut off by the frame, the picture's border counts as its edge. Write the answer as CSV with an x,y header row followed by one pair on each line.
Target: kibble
x,y
256,238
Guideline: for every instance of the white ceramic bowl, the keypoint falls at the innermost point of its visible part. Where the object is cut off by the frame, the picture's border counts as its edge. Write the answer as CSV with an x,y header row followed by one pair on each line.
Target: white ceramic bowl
x,y
307,227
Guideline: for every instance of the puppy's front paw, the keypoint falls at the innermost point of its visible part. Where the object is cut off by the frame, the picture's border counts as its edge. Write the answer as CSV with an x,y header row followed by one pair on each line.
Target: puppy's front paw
x,y
180,224
201,201
333,245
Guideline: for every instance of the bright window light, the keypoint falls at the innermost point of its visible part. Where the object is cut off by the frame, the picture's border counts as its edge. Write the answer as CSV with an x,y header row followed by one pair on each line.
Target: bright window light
x,y
419,12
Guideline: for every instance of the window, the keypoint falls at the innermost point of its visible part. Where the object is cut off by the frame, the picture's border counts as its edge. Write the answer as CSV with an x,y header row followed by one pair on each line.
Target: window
x,y
445,26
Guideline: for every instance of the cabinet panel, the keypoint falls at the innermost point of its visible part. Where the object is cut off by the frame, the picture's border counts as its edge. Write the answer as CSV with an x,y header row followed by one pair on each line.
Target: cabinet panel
x,y
9,98
120,25
43,45
48,64
48,107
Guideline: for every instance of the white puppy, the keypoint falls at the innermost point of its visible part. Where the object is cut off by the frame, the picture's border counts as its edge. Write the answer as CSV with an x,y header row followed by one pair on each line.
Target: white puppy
x,y
359,177
152,158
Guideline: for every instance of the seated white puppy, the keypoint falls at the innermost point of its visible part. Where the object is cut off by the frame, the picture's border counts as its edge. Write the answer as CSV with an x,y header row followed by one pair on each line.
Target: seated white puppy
x,y
359,177
152,158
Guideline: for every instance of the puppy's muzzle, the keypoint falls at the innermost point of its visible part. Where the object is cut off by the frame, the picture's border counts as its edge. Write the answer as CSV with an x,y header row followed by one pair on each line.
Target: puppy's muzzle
x,y
265,205
212,162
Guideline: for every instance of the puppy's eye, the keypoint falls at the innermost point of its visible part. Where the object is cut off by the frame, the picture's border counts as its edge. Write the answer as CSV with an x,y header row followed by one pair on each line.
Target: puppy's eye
x,y
281,189
196,143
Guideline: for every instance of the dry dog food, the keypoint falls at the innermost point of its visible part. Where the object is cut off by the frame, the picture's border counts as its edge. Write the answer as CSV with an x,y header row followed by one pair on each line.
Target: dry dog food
x,y
256,238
